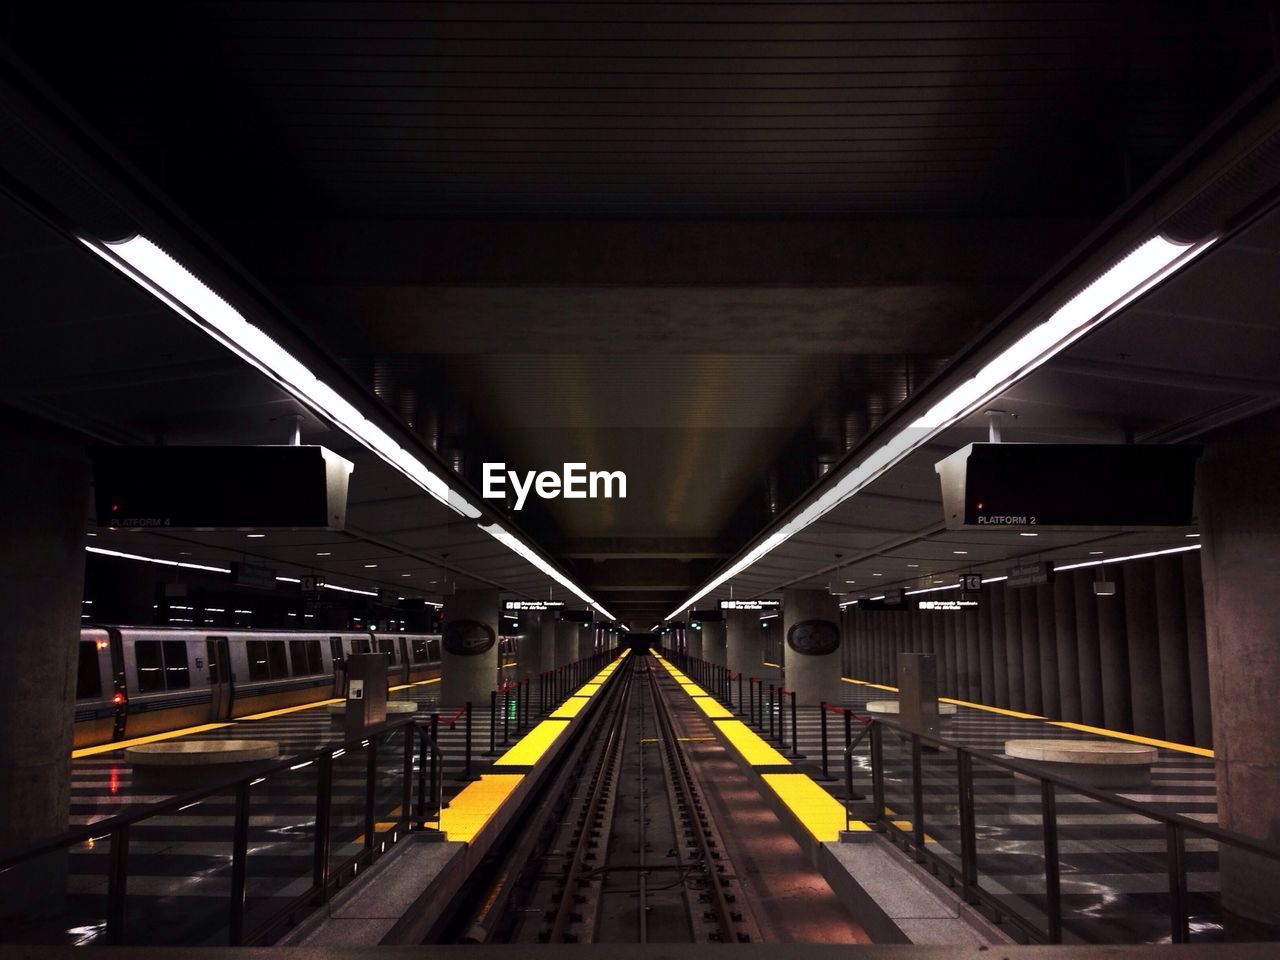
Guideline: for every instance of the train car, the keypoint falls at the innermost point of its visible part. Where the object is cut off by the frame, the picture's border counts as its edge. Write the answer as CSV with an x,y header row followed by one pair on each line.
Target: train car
x,y
136,681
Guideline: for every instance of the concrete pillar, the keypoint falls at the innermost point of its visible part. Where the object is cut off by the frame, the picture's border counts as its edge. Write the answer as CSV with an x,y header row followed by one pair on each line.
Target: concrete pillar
x,y
1144,648
973,659
1239,475
744,642
1197,649
1047,640
1171,626
468,669
811,645
566,645
1014,650
586,640
1065,647
1113,657
535,642
1029,629
714,642
1087,652
999,658
695,640
44,492
986,675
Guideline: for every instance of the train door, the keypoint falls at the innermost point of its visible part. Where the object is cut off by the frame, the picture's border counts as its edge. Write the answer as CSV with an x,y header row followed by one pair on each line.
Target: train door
x,y
339,667
218,652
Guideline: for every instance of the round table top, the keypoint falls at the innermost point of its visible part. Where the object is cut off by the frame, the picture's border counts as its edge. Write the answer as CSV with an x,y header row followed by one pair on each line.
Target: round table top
x,y
394,708
892,706
1081,751
190,753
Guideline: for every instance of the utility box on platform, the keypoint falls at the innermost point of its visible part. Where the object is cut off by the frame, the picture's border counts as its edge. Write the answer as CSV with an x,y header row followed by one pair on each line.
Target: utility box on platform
x,y
918,693
366,692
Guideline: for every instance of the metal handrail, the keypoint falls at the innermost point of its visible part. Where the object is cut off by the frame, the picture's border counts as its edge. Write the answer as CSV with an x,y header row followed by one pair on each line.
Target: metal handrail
x,y
1176,827
428,740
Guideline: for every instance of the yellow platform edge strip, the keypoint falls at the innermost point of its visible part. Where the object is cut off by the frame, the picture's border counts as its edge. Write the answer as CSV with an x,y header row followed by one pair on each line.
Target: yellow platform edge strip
x,y
570,708
1066,724
529,749
475,806
818,811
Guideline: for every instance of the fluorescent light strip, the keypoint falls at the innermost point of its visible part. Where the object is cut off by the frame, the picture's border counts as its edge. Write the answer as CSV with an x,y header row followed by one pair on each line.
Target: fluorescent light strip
x,y
513,543
145,263
163,563
1123,282
1057,569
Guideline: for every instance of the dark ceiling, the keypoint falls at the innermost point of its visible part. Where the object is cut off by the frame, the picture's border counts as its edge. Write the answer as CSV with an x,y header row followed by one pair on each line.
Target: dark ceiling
x,y
710,244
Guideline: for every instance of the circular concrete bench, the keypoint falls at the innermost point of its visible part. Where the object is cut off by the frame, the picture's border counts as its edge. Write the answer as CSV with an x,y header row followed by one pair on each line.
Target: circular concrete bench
x,y
892,707
395,708
191,763
1098,763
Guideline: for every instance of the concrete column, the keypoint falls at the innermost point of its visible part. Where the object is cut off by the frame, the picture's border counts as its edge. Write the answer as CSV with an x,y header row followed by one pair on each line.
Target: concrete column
x,y
1197,649
986,675
44,492
811,645
533,643
999,658
744,642
1144,648
1171,626
1014,650
973,658
955,643
586,640
1087,652
1065,645
713,642
1239,475
1113,657
1029,628
469,676
695,641
1047,639
566,645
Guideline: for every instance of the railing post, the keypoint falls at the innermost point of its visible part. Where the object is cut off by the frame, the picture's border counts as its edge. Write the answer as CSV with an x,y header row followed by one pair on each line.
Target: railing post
x,y
740,710
917,799
822,727
239,864
493,723
437,771
1175,845
772,736
466,767
849,792
370,789
795,736
968,828
1052,884
877,769
117,885
324,809
406,793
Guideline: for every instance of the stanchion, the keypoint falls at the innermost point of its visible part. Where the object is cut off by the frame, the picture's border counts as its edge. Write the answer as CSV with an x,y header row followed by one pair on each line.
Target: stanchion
x,y
740,710
772,735
822,728
493,723
795,737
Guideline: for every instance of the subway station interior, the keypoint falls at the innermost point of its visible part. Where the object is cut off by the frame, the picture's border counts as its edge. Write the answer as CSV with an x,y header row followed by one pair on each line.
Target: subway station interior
x,y
637,478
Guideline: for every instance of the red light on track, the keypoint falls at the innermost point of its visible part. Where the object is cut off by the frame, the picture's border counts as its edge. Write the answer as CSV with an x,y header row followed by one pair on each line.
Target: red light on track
x,y
118,699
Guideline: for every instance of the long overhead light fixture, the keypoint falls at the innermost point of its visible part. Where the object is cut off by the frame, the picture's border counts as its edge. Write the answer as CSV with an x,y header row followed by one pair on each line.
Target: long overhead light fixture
x,y
1124,281
142,260
516,545
146,264
1058,569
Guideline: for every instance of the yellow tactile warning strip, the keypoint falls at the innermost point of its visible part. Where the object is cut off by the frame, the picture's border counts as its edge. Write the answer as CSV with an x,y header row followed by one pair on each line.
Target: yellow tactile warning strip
x,y
530,748
570,708
479,800
587,689
753,749
712,707
1066,724
820,813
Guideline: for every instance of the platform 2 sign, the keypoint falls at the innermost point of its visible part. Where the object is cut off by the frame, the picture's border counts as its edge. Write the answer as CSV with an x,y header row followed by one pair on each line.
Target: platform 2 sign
x,y
468,638
1082,485
814,638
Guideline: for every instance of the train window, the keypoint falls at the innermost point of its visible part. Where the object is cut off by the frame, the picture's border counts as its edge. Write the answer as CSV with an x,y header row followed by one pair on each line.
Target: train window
x,y
88,680
305,655
420,650
256,650
146,654
279,660
386,646
176,674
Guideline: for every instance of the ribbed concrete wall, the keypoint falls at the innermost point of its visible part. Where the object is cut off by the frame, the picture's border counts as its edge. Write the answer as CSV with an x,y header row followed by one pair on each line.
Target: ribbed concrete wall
x,y
1134,662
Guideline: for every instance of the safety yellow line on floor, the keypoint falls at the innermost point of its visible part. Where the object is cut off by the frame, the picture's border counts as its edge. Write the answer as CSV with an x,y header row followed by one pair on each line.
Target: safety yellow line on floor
x,y
570,708
712,707
479,800
820,813
1066,724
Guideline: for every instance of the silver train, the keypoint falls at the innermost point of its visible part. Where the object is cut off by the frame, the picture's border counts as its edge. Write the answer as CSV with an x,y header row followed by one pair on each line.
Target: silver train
x,y
137,681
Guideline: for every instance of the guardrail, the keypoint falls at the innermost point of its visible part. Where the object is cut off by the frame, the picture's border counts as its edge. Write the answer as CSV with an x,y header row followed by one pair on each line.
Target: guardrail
x,y
964,811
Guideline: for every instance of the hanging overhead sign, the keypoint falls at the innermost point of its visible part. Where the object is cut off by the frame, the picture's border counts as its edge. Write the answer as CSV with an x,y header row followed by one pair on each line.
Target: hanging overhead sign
x,y
750,604
1030,575
947,606
518,606
253,575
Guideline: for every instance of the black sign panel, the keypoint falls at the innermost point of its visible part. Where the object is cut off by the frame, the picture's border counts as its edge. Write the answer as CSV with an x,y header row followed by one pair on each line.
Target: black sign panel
x,y
814,638
219,487
971,583
578,616
706,616
750,604
253,575
468,638
1030,575
1027,485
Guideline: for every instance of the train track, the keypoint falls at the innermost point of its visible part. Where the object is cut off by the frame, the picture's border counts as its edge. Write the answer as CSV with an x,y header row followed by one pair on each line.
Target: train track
x,y
620,847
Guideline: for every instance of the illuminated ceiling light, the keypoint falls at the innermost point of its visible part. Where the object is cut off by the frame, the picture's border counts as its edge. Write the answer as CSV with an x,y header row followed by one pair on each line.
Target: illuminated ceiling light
x,y
1028,534
1132,556
363,593
142,261
1096,553
163,563
913,565
877,574
1189,535
370,566
513,543
406,574
255,536
326,553
960,553
1127,279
